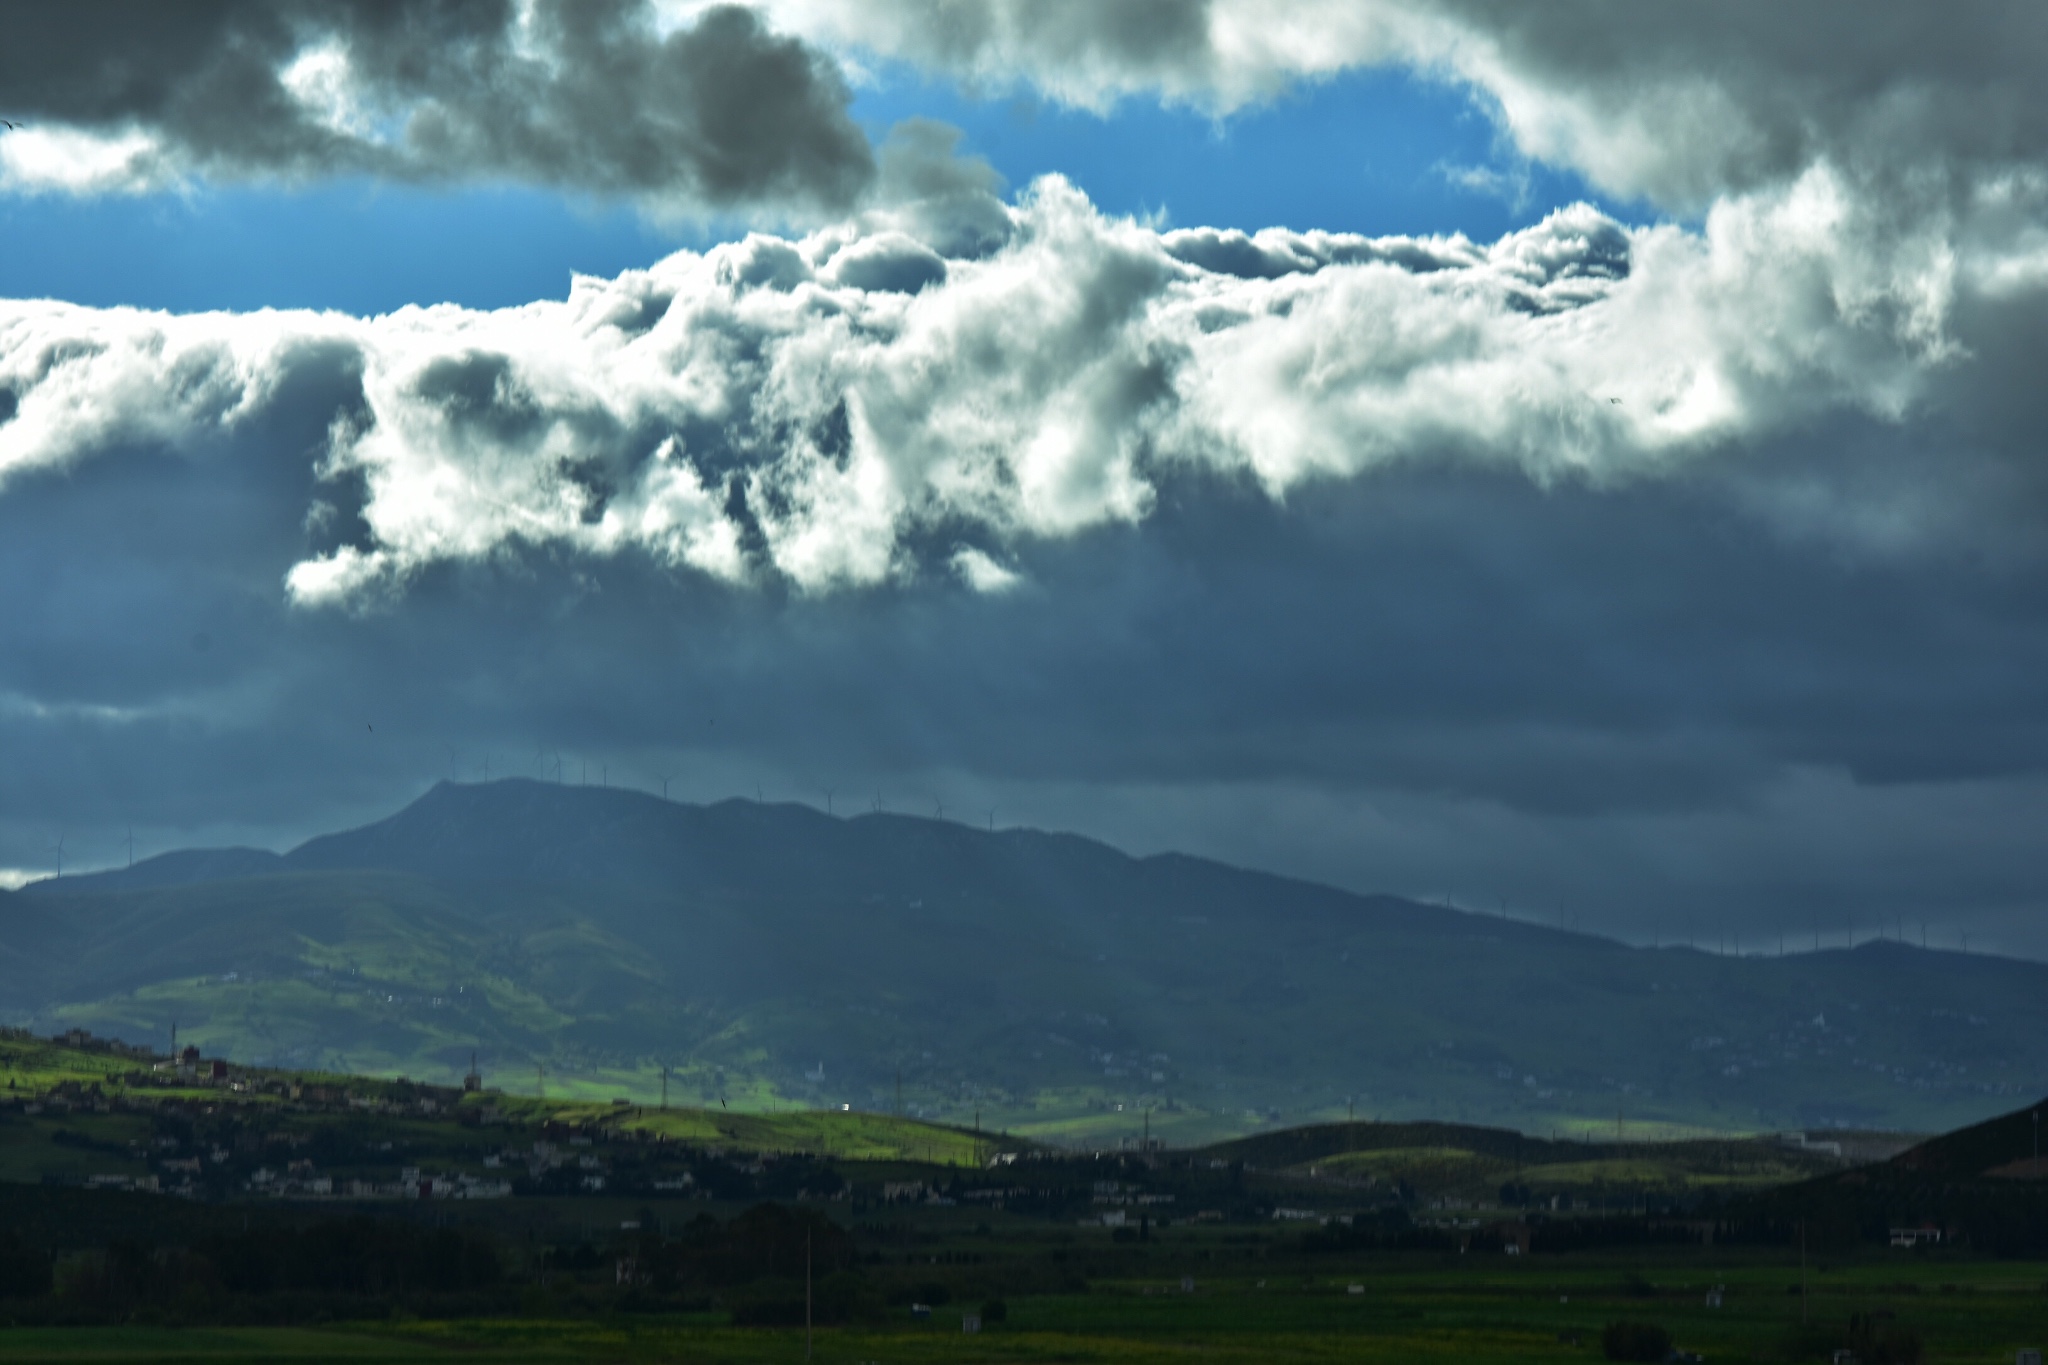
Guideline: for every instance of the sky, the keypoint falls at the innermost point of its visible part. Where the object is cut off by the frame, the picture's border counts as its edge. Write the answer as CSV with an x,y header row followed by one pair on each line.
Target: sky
x,y
1576,460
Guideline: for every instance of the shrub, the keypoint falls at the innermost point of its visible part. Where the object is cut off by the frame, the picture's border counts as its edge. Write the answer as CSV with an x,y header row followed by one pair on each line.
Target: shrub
x,y
1877,1341
1635,1341
24,1274
995,1310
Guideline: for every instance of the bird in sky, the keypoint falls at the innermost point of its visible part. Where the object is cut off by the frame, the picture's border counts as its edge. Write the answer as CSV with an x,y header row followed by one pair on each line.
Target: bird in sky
x,y
10,122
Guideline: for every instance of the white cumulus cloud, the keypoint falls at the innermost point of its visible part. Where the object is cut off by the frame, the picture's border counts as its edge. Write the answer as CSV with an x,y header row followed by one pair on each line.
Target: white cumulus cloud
x,y
821,409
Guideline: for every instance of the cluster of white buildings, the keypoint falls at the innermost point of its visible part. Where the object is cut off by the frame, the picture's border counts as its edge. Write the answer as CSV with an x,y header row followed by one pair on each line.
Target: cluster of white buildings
x,y
300,1181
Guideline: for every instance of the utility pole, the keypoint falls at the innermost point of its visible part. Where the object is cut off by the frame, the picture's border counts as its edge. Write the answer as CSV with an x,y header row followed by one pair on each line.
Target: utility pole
x,y
664,1089
540,1081
1802,1272
899,1092
807,1293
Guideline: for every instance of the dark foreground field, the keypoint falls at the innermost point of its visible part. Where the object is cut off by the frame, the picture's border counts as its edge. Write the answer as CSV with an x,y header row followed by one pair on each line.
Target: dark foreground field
x,y
1412,1308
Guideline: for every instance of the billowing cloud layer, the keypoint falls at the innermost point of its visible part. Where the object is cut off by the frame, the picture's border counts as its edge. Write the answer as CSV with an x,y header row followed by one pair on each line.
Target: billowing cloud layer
x,y
849,407
582,95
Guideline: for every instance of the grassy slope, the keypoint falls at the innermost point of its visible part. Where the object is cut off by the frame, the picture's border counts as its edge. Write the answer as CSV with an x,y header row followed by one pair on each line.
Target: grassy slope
x,y
36,1067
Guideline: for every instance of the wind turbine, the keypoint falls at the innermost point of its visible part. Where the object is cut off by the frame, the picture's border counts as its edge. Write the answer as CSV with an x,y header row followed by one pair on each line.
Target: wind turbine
x,y
991,819
60,863
664,778
938,809
828,800
131,845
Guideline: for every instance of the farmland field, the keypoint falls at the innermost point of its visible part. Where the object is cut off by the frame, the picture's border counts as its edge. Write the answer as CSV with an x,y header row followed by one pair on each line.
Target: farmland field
x,y
1412,1308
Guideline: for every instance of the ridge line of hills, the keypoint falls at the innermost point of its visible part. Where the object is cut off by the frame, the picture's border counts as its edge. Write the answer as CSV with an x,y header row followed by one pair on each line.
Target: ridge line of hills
x,y
736,822
770,954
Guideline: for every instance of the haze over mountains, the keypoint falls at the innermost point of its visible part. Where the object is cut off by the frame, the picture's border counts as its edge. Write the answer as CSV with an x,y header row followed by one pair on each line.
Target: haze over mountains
x,y
771,954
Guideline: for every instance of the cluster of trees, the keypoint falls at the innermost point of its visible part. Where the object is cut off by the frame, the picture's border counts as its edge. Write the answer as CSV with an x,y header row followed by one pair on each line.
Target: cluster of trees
x,y
2002,1217
24,1272
1871,1339
762,1264
353,1256
1389,1229
334,1266
1392,1229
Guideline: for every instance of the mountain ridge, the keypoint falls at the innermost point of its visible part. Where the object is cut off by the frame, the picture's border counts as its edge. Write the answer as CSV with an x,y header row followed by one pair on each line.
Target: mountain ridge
x,y
392,844
775,955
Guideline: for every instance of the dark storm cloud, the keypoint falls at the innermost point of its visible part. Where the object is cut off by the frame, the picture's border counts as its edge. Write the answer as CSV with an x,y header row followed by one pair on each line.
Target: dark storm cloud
x,y
579,94
1679,103
1685,103
1645,708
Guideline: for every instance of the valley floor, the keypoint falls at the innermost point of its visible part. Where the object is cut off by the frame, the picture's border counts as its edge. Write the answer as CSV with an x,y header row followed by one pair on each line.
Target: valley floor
x,y
1411,1309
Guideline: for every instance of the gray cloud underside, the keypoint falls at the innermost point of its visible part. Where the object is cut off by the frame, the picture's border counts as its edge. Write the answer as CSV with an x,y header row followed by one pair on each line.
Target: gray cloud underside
x,y
1641,706
1678,103
578,94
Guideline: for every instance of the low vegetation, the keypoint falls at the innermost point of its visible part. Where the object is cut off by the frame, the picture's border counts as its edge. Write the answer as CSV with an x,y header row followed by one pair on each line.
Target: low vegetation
x,y
331,1217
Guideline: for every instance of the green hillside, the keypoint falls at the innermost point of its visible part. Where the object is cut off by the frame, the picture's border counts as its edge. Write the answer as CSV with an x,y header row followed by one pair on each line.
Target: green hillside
x,y
34,1069
580,941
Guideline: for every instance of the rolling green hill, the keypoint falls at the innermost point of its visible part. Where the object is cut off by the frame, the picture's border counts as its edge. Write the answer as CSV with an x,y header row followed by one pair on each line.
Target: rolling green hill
x,y
580,940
